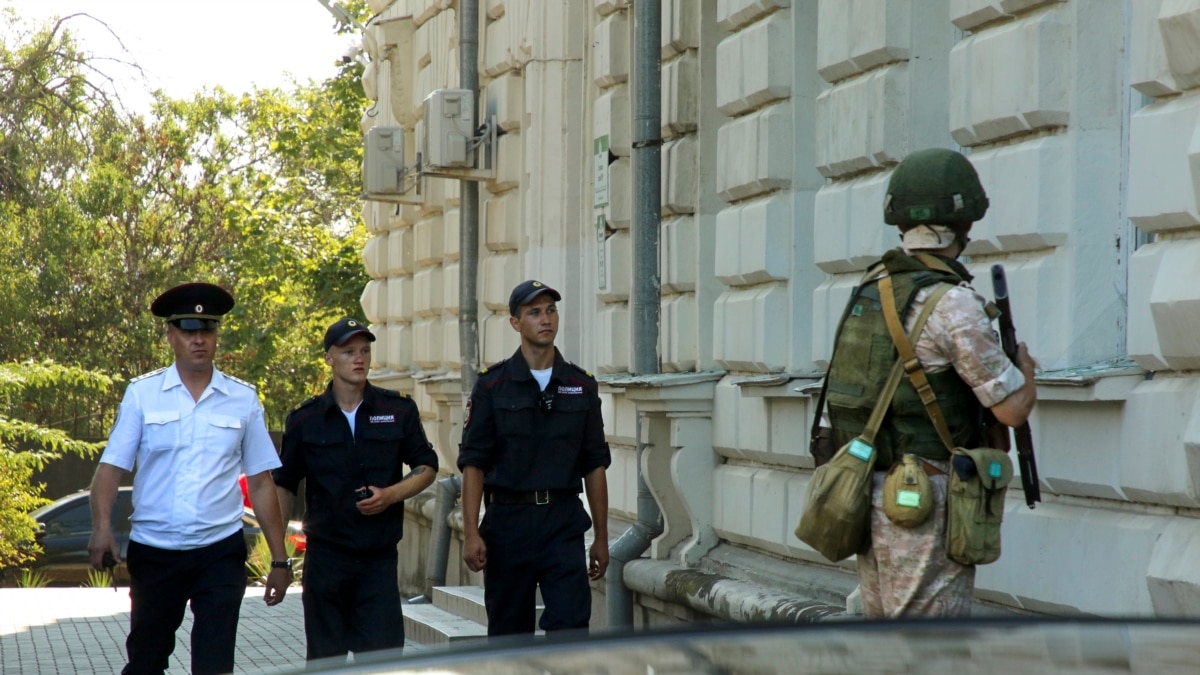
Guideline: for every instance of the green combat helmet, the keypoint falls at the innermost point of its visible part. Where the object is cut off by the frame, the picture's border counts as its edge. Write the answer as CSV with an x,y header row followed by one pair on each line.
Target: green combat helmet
x,y
935,185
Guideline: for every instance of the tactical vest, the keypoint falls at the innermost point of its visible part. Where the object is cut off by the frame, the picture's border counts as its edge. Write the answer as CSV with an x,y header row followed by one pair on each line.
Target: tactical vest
x,y
863,357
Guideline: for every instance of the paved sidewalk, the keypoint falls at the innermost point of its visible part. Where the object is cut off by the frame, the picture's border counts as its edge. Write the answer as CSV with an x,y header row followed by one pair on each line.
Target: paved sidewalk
x,y
83,630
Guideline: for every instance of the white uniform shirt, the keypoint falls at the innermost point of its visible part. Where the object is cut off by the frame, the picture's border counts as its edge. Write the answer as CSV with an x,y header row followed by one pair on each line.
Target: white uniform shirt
x,y
188,456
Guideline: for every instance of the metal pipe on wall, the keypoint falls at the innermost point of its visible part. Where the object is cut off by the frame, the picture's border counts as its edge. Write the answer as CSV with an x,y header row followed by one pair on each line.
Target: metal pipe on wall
x,y
647,196
644,300
630,546
468,242
438,558
468,300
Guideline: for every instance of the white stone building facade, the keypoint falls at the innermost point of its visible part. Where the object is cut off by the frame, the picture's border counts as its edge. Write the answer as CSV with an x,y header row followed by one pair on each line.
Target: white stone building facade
x,y
782,120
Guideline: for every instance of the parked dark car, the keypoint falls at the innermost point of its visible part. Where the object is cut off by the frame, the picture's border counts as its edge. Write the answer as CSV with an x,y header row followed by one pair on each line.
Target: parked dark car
x,y
65,525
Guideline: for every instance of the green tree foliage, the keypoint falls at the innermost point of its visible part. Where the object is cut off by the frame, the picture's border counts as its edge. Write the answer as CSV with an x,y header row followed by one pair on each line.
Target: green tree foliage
x,y
257,192
101,209
28,396
40,70
297,205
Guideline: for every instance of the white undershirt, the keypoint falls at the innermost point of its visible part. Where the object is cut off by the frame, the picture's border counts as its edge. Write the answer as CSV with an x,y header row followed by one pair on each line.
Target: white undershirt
x,y
350,418
542,377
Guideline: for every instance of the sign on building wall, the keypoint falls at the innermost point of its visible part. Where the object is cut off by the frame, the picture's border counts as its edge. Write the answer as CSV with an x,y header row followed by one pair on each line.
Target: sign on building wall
x,y
600,172
600,200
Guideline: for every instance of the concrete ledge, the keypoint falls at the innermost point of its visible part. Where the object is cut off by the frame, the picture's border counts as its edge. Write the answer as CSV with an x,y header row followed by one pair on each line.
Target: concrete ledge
x,y
721,597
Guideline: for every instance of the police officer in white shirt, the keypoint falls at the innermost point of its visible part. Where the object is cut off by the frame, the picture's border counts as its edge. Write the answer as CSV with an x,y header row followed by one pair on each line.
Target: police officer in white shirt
x,y
190,430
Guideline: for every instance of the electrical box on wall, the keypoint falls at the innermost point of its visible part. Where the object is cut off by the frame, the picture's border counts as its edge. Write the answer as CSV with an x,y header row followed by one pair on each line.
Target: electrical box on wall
x,y
449,129
383,161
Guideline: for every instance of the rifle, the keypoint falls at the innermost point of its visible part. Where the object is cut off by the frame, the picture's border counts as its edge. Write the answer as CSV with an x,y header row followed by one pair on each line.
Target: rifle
x,y
1024,438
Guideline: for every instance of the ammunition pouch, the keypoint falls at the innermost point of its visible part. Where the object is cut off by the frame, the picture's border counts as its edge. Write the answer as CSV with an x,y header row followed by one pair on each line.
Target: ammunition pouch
x,y
975,504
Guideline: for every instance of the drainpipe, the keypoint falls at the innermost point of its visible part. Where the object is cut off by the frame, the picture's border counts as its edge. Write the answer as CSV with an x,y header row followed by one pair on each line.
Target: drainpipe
x,y
468,300
644,300
468,237
630,546
438,557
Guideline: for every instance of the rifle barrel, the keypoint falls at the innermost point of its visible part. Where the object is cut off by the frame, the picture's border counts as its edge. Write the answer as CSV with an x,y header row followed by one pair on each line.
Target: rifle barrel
x,y
999,283
1030,483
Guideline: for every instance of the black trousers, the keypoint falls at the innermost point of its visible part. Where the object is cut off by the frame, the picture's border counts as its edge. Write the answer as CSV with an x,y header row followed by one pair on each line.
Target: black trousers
x,y
351,601
162,582
528,546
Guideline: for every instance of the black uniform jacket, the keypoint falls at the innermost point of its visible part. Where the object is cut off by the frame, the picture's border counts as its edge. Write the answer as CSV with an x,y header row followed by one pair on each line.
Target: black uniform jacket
x,y
524,439
318,446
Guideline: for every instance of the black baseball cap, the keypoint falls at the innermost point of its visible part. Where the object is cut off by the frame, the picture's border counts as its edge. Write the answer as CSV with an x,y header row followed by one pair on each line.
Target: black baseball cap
x,y
526,291
193,306
343,330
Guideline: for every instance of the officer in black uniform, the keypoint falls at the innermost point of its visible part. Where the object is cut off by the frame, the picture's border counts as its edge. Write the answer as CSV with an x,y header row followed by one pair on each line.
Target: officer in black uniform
x,y
350,444
532,434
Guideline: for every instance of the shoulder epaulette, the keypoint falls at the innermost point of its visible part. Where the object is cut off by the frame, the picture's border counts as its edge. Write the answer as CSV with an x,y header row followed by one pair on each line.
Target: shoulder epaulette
x,y
241,382
394,394
581,369
484,370
307,402
149,374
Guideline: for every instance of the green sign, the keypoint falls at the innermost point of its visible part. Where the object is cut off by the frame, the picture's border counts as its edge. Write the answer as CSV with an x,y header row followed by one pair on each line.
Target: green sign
x,y
600,172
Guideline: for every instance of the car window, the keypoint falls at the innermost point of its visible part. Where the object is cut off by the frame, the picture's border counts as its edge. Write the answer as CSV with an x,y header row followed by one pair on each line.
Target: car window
x,y
78,518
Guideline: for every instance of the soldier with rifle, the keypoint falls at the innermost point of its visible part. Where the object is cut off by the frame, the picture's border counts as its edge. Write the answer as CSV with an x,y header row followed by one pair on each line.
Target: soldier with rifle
x,y
933,197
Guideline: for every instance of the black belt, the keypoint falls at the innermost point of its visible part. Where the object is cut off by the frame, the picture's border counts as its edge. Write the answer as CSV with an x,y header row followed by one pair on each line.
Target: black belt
x,y
538,497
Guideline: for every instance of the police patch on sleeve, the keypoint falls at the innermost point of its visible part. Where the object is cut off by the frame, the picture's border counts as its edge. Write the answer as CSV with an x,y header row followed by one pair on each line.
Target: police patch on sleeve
x,y
467,414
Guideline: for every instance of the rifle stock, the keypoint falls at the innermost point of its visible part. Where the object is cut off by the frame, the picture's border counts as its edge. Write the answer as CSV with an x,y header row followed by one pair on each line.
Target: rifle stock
x,y
1024,438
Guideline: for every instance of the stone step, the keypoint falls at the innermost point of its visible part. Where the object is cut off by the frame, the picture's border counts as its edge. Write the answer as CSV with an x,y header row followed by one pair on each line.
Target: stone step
x,y
467,602
429,626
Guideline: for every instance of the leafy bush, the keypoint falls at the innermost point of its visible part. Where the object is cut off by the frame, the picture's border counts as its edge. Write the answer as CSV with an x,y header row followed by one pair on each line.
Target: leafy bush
x,y
99,579
33,579
26,446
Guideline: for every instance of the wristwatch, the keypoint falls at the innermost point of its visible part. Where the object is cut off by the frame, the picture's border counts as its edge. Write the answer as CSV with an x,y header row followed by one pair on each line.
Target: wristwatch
x,y
285,564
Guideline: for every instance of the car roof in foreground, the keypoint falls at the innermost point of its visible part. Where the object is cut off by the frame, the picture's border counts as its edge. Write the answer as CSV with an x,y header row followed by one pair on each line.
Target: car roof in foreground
x,y
983,645
78,494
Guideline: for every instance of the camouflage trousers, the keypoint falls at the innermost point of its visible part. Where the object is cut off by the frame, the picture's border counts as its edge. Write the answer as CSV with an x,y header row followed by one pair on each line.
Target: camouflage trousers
x,y
905,573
